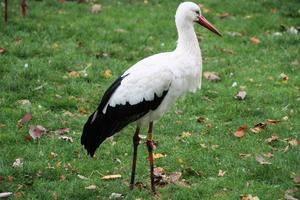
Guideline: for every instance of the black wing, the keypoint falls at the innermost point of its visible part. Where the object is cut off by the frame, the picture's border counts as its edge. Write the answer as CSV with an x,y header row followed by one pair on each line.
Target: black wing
x,y
101,126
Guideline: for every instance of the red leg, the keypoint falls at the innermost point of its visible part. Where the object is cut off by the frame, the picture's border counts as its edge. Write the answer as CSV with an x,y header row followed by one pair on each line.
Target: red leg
x,y
150,151
136,142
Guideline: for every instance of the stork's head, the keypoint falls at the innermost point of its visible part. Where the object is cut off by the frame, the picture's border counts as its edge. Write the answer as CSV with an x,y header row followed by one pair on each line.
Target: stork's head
x,y
188,12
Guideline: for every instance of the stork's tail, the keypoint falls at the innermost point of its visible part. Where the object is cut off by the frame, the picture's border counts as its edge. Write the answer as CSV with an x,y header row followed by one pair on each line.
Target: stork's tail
x,y
91,137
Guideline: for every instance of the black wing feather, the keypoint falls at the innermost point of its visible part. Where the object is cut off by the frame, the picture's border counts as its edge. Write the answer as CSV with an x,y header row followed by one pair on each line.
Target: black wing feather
x,y
99,127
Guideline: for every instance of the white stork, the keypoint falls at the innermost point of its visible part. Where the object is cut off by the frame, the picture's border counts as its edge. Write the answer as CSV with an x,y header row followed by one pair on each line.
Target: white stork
x,y
144,92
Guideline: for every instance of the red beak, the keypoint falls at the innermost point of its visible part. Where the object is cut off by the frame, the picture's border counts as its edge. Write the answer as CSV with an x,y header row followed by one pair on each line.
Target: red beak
x,y
203,22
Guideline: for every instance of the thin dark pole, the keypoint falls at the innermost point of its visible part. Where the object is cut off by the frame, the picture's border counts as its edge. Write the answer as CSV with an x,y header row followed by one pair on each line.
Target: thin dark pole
x,y
24,8
136,142
5,10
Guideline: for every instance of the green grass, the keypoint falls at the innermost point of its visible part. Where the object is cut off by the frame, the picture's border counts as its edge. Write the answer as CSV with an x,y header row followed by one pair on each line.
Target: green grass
x,y
56,38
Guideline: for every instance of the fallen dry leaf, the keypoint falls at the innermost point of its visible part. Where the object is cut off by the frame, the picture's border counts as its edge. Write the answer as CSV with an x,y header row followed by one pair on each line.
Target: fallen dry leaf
x,y
294,142
249,197
211,76
254,40
284,77
201,119
26,118
224,15
272,121
66,138
221,173
82,111
52,155
111,177
55,195
96,8
36,131
62,178
185,134
82,177
24,102
18,163
2,125
244,155
116,196
268,155
107,73
158,155
2,50
91,187
120,30
240,131
296,179
241,95
258,127
262,160
74,74
289,197
273,137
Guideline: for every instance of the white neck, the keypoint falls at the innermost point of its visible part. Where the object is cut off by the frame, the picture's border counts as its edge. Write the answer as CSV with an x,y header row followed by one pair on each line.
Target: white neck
x,y
187,39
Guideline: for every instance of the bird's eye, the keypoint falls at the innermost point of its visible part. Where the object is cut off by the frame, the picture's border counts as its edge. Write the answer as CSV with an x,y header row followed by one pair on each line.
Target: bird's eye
x,y
198,12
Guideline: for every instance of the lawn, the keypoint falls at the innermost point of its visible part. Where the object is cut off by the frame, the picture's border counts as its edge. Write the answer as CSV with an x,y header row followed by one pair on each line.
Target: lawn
x,y
60,58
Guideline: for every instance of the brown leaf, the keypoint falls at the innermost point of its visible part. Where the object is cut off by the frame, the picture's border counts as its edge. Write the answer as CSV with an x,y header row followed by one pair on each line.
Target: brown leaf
x,y
249,197
254,40
273,137
10,178
201,119
55,195
262,160
2,50
221,173
244,155
111,177
294,142
296,179
26,118
82,110
241,95
240,131
158,155
107,73
272,121
74,74
2,125
62,178
36,131
224,15
211,76
268,155
258,127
